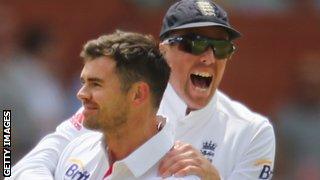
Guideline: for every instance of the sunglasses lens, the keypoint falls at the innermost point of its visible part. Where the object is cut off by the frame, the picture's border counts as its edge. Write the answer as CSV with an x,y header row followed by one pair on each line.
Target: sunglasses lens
x,y
199,46
222,49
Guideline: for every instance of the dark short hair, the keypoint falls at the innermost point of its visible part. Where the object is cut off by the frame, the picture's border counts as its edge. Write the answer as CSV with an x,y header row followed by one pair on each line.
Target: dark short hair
x,y
137,58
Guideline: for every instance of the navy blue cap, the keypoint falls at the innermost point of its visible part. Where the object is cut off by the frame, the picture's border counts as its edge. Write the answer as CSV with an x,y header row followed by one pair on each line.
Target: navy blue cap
x,y
196,13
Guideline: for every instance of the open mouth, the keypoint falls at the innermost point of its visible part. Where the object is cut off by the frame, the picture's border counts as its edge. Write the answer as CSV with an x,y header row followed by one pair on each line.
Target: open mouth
x,y
201,80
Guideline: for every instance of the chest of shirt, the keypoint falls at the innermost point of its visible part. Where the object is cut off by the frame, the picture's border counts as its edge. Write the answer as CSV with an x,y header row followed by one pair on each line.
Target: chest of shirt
x,y
221,140
95,169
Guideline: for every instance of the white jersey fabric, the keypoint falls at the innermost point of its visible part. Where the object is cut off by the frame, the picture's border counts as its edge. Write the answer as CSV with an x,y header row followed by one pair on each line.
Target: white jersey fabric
x,y
238,142
86,158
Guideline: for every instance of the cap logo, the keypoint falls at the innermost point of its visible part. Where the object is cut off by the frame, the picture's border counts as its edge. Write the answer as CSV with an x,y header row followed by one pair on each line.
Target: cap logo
x,y
206,8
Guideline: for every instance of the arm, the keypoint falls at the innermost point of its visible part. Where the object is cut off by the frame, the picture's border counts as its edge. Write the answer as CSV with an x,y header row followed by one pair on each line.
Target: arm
x,y
41,161
184,160
256,162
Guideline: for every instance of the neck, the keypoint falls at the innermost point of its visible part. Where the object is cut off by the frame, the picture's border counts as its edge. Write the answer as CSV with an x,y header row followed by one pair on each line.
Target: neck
x,y
127,138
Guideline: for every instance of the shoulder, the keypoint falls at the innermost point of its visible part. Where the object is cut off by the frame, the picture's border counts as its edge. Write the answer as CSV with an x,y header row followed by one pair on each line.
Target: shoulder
x,y
78,153
81,146
72,127
76,121
254,135
84,141
242,122
237,111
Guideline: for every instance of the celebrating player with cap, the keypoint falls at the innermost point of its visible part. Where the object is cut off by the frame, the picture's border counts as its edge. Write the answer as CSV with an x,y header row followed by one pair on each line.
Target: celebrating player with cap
x,y
218,138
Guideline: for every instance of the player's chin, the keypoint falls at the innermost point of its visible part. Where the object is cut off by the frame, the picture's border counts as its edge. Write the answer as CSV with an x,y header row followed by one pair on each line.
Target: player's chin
x,y
196,100
87,112
198,103
91,123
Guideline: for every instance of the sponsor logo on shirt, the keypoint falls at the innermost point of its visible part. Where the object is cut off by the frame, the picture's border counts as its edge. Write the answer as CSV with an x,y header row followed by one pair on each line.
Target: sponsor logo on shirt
x,y
76,170
266,171
77,120
208,148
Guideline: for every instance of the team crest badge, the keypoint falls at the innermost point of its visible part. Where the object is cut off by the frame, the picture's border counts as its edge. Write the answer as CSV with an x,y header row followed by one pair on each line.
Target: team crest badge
x,y
206,8
208,148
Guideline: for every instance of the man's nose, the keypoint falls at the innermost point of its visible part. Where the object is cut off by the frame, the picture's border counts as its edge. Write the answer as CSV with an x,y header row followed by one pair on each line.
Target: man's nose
x,y
208,57
83,93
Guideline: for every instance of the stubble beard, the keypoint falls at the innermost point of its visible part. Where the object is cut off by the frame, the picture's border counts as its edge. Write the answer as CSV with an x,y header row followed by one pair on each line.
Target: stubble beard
x,y
115,123
108,124
91,123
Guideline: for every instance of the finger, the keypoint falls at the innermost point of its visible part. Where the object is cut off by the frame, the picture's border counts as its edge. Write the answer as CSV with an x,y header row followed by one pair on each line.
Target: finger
x,y
187,147
175,155
179,165
178,143
171,159
184,148
205,171
167,159
187,171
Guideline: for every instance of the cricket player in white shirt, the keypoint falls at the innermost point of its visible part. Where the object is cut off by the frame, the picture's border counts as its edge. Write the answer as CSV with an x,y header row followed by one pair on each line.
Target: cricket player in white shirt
x,y
218,138
123,80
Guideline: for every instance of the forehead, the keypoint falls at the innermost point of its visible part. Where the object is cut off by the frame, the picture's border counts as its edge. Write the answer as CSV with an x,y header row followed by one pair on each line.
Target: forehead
x,y
98,67
212,32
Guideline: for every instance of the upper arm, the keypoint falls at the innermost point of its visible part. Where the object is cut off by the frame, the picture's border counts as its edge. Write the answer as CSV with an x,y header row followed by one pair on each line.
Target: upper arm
x,y
257,161
41,161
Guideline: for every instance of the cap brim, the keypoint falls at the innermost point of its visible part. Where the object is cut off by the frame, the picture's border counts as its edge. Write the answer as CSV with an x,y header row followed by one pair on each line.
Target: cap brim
x,y
233,33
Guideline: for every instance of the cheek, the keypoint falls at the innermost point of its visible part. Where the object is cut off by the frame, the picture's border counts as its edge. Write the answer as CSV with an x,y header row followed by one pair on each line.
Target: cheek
x,y
220,67
101,96
178,75
180,65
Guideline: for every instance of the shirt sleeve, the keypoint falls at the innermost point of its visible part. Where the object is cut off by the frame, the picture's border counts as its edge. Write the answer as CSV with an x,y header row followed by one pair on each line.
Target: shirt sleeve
x,y
257,161
41,161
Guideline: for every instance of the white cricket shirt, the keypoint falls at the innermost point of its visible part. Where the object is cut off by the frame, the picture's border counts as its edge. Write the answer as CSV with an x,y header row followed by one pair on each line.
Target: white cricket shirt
x,y
86,158
238,142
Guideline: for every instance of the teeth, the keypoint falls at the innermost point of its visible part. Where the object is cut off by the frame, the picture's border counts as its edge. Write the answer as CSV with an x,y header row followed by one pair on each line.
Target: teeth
x,y
201,89
203,74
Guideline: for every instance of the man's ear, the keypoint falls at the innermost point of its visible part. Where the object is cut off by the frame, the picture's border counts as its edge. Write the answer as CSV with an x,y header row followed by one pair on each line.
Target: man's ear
x,y
163,48
140,93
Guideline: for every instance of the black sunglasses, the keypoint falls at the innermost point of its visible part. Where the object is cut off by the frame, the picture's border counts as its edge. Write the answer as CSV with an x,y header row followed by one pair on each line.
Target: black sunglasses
x,y
196,44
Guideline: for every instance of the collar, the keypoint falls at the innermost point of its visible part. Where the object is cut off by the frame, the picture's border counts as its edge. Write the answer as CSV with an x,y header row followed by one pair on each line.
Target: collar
x,y
209,109
172,106
150,153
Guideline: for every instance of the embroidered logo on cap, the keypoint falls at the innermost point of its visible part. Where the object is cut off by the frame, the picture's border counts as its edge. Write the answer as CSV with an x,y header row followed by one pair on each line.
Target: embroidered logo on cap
x,y
206,8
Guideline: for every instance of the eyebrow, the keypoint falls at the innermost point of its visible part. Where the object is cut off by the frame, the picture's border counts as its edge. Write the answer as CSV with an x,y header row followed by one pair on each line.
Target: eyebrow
x,y
91,79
